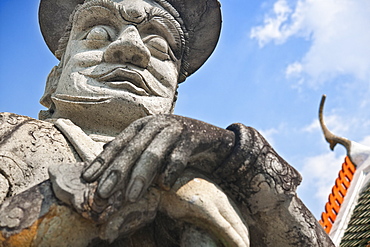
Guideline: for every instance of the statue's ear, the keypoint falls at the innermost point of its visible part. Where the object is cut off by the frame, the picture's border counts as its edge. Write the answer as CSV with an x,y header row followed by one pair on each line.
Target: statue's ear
x,y
51,85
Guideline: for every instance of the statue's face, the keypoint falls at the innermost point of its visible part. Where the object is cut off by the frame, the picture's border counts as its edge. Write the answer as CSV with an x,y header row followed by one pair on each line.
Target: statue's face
x,y
123,57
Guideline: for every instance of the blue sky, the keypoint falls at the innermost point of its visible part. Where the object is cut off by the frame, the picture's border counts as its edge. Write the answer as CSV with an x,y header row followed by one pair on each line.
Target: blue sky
x,y
274,60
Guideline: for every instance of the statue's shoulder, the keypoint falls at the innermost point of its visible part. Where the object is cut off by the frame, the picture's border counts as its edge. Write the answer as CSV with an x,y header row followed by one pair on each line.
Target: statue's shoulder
x,y
27,148
27,133
11,124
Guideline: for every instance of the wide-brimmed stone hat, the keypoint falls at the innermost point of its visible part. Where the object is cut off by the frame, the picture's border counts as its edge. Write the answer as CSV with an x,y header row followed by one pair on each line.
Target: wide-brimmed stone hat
x,y
202,19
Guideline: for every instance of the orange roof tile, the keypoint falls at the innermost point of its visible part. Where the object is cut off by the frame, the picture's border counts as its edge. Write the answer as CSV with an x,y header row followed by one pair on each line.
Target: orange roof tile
x,y
337,195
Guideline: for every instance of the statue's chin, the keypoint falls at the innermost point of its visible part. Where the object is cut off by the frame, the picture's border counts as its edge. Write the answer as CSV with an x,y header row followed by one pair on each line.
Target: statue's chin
x,y
100,115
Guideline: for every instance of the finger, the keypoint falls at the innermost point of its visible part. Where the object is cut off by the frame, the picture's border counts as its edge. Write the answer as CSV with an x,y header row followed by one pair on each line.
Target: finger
x,y
235,221
222,221
217,211
102,161
176,164
231,235
151,161
116,174
220,225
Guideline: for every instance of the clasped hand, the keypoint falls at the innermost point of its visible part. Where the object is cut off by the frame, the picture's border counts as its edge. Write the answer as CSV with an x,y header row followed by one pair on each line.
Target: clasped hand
x,y
156,149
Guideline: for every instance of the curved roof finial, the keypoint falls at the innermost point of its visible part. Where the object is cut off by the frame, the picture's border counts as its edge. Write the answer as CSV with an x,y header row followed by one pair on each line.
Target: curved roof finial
x,y
332,139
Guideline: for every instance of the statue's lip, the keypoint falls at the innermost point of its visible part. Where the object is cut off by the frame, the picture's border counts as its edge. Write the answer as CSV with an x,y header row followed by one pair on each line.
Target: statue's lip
x,y
120,78
81,99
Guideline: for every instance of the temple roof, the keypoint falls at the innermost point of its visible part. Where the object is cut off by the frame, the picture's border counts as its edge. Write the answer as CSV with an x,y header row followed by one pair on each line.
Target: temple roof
x,y
347,213
358,230
337,195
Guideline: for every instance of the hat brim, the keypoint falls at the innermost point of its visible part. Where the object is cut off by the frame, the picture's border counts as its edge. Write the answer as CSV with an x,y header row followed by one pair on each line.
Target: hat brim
x,y
202,19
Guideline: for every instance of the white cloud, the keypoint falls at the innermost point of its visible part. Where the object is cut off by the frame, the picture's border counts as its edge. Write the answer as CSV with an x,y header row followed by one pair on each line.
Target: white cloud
x,y
350,125
293,69
273,25
365,141
269,135
319,174
337,29
336,124
274,133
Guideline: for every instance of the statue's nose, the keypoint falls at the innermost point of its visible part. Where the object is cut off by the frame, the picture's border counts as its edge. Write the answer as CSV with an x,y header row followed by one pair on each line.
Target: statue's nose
x,y
128,48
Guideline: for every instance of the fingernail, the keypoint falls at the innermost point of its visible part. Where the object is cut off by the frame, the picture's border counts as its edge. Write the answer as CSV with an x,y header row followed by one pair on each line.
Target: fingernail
x,y
163,182
91,171
135,189
170,180
105,189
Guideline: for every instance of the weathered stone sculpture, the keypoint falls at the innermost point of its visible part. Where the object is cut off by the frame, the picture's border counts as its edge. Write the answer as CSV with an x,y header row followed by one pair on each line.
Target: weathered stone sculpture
x,y
122,170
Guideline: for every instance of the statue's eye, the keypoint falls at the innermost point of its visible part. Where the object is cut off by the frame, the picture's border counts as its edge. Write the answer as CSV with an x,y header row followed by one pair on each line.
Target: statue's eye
x,y
98,33
157,46
98,37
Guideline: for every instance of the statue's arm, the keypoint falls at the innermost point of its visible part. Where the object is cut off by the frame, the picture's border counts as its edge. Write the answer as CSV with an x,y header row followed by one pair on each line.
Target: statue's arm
x,y
264,187
254,166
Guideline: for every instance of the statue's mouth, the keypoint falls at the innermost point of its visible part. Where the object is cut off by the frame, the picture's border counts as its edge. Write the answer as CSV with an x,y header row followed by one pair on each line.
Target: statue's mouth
x,y
120,78
80,99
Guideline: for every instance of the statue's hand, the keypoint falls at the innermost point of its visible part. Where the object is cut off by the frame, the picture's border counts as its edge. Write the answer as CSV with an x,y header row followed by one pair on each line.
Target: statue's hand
x,y
202,203
156,148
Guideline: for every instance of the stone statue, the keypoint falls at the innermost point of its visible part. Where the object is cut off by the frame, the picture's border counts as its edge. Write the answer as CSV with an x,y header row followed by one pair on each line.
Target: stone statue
x,y
109,165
